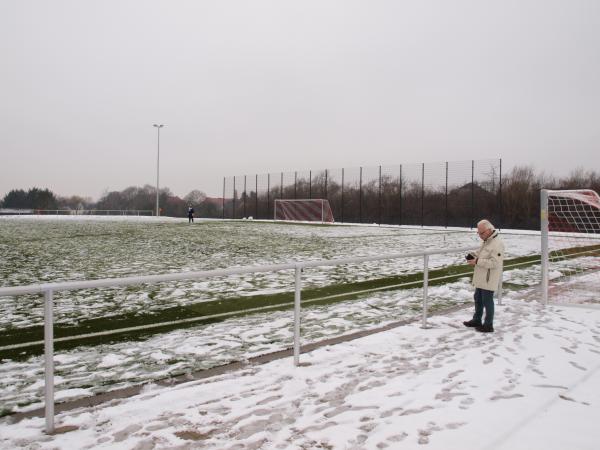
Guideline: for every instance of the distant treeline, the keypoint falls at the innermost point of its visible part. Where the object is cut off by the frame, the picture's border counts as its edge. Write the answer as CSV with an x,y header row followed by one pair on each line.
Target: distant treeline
x,y
521,193
514,204
131,198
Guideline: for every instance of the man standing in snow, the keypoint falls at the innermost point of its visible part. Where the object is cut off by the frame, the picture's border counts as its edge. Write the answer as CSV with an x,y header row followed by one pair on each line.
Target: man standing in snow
x,y
190,214
487,263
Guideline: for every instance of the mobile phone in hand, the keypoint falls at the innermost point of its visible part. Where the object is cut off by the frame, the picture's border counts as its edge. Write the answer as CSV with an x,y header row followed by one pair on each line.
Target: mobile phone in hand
x,y
469,257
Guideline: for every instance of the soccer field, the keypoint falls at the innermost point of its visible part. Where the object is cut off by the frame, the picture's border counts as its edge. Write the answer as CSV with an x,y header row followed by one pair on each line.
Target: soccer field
x,y
45,249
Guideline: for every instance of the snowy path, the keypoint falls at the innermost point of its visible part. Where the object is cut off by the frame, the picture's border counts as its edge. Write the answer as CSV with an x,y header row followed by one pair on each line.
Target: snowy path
x,y
533,384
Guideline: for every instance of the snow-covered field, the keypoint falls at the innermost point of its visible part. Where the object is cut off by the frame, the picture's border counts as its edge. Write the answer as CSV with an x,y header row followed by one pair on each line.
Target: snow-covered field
x,y
533,384
40,249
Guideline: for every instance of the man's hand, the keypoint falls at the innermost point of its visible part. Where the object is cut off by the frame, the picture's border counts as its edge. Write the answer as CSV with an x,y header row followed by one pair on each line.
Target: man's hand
x,y
471,262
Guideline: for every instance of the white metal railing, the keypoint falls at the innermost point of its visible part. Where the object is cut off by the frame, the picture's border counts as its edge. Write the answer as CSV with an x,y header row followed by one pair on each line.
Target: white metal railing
x,y
48,289
92,212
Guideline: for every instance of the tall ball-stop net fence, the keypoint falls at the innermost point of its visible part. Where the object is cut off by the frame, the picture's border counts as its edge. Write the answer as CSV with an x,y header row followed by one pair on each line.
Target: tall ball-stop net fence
x,y
450,194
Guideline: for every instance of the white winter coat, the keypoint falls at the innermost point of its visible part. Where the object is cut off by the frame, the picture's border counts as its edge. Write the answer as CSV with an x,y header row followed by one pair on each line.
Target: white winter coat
x,y
490,258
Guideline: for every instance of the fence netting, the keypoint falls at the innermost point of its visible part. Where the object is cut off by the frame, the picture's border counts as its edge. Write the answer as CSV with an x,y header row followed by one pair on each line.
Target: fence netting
x,y
450,194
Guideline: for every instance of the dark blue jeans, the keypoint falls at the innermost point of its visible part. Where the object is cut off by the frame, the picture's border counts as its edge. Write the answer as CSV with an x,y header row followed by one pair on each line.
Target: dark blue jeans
x,y
484,299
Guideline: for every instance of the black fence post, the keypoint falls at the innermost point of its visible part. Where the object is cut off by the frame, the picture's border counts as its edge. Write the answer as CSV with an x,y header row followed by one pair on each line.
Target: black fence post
x,y
342,195
326,185
446,195
500,206
360,198
234,196
295,185
281,187
422,192
268,195
472,192
245,197
223,198
379,195
256,199
400,196
310,184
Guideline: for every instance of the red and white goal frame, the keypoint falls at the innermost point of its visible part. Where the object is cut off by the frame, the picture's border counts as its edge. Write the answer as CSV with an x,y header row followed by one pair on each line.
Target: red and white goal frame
x,y
570,246
303,210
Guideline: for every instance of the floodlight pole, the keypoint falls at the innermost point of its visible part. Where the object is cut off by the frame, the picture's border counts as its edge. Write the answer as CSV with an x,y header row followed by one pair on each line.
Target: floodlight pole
x,y
158,127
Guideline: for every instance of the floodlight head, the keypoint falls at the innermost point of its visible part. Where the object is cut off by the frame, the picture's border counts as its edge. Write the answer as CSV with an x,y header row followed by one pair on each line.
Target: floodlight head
x,y
158,126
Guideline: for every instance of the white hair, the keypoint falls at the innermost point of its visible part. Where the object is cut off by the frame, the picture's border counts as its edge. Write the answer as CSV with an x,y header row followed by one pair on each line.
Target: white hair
x,y
486,224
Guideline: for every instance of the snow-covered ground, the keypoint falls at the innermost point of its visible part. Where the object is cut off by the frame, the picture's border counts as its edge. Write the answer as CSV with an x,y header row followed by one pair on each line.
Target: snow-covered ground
x,y
533,384
37,249
42,248
85,370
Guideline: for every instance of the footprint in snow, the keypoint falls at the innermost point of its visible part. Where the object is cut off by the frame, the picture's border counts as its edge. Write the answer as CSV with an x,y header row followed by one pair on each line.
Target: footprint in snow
x,y
397,437
577,366
505,397
564,397
426,433
269,400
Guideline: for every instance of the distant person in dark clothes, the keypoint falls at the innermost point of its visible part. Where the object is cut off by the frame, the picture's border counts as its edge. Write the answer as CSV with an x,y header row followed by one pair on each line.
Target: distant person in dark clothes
x,y
190,214
487,264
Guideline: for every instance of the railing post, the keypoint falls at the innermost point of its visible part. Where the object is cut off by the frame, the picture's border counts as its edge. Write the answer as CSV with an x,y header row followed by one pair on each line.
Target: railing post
x,y
49,361
298,287
425,286
544,231
500,288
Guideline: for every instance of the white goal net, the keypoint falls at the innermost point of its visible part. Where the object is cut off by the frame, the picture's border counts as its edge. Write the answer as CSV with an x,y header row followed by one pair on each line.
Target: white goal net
x,y
310,210
570,226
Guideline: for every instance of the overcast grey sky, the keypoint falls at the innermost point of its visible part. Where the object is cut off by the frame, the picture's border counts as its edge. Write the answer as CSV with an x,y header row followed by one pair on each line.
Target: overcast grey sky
x,y
272,85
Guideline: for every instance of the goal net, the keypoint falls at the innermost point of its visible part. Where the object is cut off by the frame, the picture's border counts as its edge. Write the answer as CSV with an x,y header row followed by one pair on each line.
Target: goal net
x,y
570,228
313,210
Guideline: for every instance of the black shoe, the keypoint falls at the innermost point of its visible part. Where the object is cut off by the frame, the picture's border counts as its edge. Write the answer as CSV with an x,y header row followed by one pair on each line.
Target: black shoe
x,y
485,328
472,323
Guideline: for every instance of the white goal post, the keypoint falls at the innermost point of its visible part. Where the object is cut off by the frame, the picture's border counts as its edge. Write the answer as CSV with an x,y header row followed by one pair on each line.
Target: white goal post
x,y
305,210
570,247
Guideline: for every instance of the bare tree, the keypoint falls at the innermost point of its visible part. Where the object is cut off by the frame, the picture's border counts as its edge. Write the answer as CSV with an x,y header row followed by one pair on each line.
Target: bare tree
x,y
195,197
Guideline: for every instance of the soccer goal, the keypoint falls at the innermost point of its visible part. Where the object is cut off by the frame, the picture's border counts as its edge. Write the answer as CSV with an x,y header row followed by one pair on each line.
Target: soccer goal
x,y
311,210
570,229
